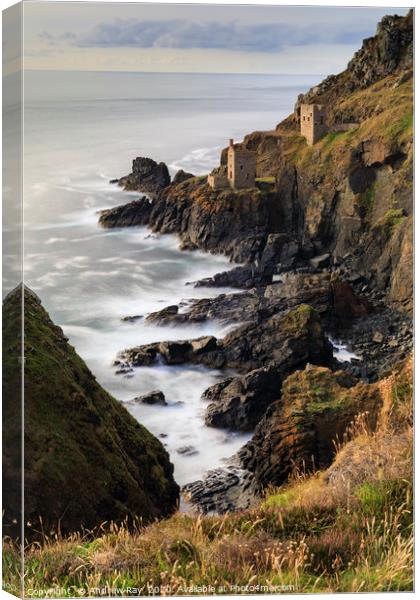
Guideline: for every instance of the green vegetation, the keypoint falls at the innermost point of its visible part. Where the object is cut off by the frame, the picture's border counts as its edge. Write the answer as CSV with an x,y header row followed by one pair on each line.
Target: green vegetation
x,y
366,200
265,180
391,219
87,459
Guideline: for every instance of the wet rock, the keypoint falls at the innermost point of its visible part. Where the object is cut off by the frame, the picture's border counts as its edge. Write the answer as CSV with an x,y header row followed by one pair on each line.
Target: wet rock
x,y
287,338
123,370
131,318
243,277
175,353
154,397
147,176
229,308
187,450
170,352
163,314
285,343
378,357
132,214
239,403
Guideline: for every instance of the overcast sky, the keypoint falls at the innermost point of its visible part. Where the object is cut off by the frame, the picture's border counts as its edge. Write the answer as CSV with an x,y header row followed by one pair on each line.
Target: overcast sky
x,y
200,38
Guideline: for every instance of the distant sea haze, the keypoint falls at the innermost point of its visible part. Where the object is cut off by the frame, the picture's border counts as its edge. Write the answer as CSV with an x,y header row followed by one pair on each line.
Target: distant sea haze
x,y
83,129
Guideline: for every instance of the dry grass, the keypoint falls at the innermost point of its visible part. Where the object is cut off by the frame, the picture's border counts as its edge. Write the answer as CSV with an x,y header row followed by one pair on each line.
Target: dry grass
x,y
346,529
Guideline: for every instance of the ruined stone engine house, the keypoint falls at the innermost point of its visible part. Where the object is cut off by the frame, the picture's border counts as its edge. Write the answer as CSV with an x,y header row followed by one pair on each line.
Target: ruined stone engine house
x,y
312,122
239,172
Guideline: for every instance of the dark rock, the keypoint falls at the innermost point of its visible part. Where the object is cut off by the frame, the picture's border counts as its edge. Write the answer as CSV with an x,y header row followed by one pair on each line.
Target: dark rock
x,y
222,490
170,352
284,344
288,338
181,176
347,305
187,450
131,318
155,397
127,215
147,176
245,277
169,311
239,403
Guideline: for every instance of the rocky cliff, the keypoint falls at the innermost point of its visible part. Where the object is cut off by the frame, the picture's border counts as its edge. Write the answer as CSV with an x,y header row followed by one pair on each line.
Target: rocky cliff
x,y
349,195
326,238
86,459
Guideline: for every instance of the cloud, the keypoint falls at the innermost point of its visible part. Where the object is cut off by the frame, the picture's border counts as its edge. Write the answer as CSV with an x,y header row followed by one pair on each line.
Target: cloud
x,y
184,34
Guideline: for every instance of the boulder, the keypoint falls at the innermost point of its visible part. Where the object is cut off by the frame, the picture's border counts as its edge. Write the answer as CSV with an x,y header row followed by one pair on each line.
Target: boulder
x,y
238,403
154,397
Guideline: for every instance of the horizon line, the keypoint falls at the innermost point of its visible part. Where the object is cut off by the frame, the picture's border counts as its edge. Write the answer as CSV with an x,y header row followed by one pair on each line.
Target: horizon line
x,y
174,72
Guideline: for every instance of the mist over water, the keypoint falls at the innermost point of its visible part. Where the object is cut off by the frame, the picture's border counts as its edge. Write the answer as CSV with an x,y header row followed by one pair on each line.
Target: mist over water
x,y
83,129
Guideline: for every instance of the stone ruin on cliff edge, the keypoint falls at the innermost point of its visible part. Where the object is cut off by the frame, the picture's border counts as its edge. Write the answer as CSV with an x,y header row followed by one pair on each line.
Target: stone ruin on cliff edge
x,y
239,173
313,123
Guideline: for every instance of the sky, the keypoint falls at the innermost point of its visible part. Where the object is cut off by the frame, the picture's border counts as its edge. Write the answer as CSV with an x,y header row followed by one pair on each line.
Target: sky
x,y
195,38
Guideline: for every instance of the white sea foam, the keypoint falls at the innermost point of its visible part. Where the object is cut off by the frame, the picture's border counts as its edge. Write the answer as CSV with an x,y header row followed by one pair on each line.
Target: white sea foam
x,y
89,277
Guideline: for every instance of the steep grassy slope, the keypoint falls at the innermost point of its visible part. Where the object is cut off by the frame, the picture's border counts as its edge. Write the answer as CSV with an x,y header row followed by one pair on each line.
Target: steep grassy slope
x,y
348,528
352,192
86,459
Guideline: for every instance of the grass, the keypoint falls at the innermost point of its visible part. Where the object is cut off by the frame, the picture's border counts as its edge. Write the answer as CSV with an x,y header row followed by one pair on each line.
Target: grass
x,y
365,201
345,529
391,220
265,180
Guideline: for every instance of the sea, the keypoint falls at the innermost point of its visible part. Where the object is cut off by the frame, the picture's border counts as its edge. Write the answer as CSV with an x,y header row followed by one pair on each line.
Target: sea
x,y
82,129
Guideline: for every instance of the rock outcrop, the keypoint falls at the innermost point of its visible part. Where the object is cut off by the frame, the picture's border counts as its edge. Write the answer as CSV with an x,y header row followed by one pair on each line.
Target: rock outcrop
x,y
87,460
147,176
302,429
127,215
181,176
350,193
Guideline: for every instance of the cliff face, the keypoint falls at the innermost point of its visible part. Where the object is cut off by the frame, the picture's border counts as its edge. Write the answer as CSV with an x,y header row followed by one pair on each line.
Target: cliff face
x,y
352,191
86,459
349,195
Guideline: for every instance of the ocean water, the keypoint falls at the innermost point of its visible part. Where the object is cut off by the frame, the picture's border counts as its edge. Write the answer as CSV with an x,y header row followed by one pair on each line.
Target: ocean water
x,y
83,129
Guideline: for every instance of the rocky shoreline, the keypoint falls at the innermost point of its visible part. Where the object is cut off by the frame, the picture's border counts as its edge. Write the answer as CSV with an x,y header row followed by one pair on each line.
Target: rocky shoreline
x,y
323,244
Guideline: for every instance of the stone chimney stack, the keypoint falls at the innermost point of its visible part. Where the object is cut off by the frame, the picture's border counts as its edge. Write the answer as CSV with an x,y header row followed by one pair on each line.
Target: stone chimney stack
x,y
231,142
